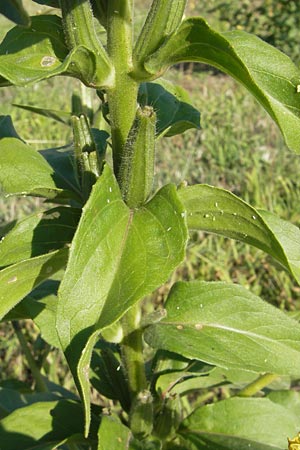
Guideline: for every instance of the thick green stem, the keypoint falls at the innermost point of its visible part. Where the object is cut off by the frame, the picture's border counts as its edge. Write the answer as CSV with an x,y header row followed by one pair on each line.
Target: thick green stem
x,y
257,385
122,98
40,383
132,351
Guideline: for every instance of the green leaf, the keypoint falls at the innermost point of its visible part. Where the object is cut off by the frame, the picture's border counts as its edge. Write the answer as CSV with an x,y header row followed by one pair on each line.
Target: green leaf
x,y
10,400
266,72
62,161
227,326
40,306
59,116
38,234
172,105
43,426
288,235
113,247
240,424
219,211
23,171
52,3
18,280
113,434
7,128
39,52
14,10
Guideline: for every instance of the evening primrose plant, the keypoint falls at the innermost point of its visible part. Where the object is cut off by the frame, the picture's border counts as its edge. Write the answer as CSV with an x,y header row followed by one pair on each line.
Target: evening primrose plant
x,y
213,366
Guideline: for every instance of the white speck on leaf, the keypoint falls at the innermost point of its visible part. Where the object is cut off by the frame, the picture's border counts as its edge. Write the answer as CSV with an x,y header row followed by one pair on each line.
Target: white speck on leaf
x,y
254,217
198,326
179,327
48,61
12,280
298,88
169,229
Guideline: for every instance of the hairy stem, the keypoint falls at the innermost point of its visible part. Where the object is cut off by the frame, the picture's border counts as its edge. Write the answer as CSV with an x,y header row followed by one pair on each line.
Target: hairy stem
x,y
132,351
40,383
122,98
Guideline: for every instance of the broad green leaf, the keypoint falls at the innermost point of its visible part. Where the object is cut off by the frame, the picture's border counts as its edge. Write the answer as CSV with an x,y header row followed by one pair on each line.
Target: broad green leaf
x,y
266,72
219,211
22,309
18,280
39,233
113,434
14,10
288,235
107,374
43,426
10,400
117,256
39,52
40,306
240,424
172,105
7,128
227,326
62,161
23,171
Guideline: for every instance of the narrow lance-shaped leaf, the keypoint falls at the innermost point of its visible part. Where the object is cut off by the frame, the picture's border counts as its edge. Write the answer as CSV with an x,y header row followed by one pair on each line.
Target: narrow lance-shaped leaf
x,y
38,234
240,424
219,211
227,326
39,52
18,280
117,256
266,72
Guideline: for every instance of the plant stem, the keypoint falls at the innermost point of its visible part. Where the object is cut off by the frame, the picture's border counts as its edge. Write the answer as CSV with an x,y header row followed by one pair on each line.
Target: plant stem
x,y
257,385
40,383
122,98
132,351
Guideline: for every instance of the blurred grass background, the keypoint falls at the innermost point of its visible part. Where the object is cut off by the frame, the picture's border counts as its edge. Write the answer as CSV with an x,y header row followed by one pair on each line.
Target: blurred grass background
x,y
239,148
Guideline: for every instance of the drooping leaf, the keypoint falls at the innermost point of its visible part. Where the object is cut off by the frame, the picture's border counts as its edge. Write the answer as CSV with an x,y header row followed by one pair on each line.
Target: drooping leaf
x,y
7,128
240,424
23,171
43,426
266,72
117,256
20,279
288,235
227,326
59,116
219,211
14,10
172,105
39,52
39,233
